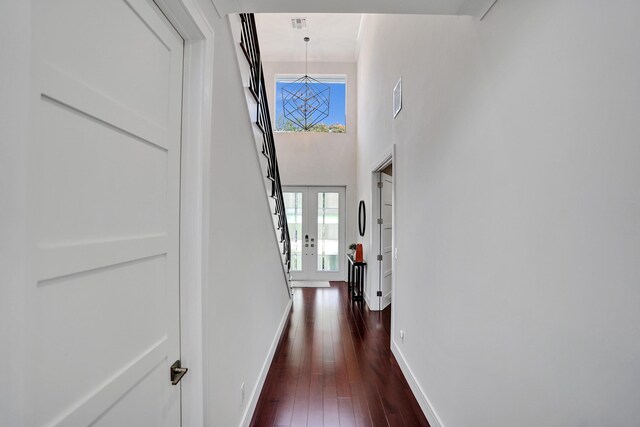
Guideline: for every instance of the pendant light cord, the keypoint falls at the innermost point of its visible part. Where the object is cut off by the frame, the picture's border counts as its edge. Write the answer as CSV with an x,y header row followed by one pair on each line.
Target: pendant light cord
x,y
306,56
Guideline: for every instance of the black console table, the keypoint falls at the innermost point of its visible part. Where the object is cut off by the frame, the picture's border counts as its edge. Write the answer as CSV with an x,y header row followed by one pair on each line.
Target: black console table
x,y
355,278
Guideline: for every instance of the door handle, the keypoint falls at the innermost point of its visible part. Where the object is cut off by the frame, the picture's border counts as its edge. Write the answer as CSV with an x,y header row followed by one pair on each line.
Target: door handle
x,y
177,372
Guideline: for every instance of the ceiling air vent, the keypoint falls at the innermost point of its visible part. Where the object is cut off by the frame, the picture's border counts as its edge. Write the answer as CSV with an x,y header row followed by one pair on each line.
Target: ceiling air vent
x,y
299,23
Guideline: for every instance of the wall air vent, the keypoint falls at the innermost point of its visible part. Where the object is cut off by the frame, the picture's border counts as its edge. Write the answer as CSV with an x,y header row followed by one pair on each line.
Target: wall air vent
x,y
299,23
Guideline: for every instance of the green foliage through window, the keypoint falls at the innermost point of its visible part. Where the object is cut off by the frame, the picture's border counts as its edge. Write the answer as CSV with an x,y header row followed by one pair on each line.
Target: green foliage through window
x,y
284,125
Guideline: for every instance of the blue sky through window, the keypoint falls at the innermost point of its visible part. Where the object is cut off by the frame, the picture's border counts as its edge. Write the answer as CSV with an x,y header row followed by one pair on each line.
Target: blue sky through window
x,y
337,119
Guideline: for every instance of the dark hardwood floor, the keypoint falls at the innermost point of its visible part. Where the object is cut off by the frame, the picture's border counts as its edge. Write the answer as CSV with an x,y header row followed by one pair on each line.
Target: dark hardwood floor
x,y
333,367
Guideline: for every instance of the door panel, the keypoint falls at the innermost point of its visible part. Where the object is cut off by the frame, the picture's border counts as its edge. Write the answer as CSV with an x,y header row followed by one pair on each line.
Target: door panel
x,y
317,228
141,408
104,189
294,200
328,231
88,169
114,48
386,231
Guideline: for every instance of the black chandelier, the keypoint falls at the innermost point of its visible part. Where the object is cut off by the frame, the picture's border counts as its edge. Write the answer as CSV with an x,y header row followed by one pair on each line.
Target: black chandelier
x,y
305,101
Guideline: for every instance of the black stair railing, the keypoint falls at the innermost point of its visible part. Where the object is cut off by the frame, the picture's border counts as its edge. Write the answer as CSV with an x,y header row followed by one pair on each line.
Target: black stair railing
x,y
251,49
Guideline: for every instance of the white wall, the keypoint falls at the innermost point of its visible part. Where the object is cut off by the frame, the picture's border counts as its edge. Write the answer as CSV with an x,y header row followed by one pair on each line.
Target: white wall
x,y
518,207
320,159
247,294
14,119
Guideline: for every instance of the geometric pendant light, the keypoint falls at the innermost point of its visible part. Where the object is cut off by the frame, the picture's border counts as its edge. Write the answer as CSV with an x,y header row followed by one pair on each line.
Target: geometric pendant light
x,y
305,101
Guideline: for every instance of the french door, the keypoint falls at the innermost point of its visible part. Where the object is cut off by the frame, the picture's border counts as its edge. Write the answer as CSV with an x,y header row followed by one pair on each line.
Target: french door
x,y
316,218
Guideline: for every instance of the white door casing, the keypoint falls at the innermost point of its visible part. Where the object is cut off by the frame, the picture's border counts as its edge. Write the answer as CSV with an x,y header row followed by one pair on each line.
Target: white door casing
x,y
386,233
104,193
310,241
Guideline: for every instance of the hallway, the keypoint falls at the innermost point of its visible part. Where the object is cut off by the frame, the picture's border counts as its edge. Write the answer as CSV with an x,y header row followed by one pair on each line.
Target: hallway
x,y
334,367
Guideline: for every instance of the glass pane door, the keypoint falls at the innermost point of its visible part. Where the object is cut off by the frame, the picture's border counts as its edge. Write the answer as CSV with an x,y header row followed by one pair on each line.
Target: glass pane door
x,y
317,228
293,208
328,231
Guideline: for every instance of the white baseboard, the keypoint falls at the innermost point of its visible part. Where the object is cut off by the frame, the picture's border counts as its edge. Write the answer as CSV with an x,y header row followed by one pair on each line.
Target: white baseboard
x,y
416,388
255,394
368,301
373,305
386,301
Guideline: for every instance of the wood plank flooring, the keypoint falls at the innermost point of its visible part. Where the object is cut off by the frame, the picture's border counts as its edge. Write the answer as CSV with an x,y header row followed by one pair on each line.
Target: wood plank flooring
x,y
333,367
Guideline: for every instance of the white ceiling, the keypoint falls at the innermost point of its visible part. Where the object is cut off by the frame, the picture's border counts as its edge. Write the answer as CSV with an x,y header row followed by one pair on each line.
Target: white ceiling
x,y
429,7
333,36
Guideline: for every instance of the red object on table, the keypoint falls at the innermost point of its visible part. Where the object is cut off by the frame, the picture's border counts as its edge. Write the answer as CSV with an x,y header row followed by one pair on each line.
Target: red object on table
x,y
359,256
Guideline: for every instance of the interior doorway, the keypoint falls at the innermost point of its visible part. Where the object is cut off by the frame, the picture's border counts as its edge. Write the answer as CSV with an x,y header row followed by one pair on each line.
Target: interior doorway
x,y
383,245
385,233
316,218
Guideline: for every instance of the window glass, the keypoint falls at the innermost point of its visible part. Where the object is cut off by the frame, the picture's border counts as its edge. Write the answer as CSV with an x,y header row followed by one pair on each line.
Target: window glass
x,y
293,209
336,122
328,231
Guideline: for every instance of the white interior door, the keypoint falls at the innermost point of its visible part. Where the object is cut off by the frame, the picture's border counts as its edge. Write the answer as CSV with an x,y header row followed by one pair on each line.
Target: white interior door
x,y
104,192
316,218
386,233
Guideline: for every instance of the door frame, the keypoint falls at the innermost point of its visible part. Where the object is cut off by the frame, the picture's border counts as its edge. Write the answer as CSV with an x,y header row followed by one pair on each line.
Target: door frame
x,y
373,282
197,102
